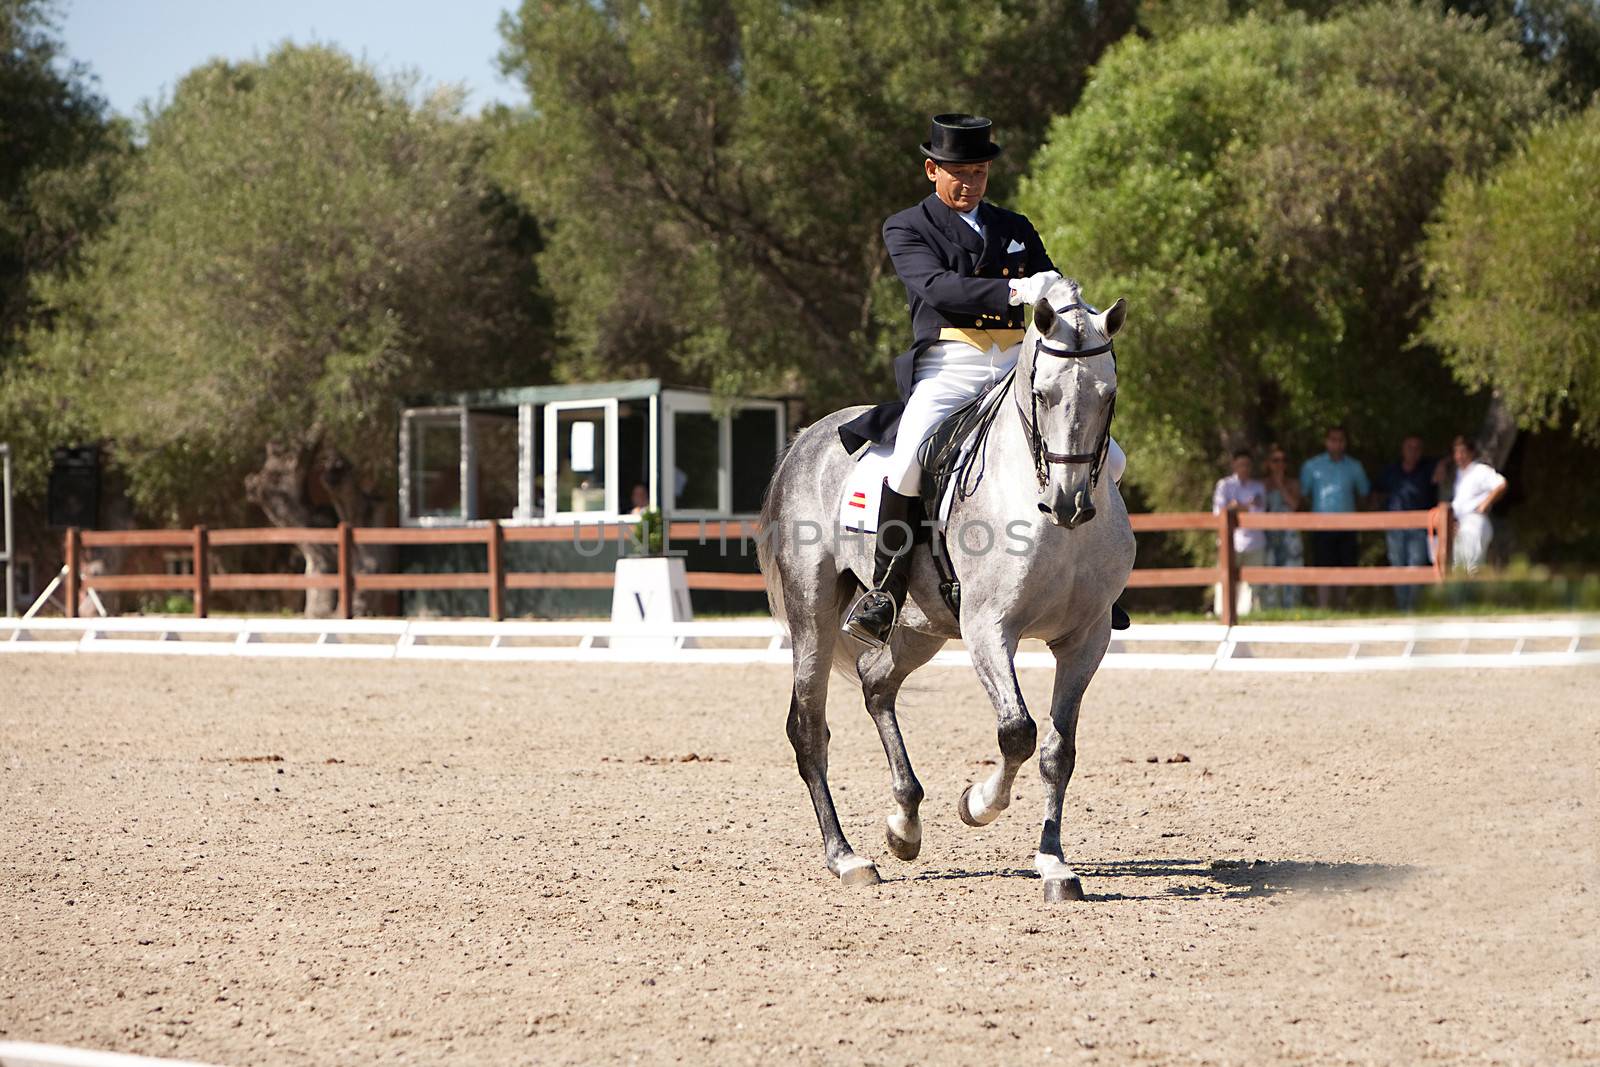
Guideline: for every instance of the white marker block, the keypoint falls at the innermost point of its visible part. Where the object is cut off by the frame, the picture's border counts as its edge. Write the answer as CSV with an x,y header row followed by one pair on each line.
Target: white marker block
x,y
651,593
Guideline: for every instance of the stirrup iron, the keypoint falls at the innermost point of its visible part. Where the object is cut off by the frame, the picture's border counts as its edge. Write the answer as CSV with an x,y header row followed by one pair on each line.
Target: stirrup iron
x,y
866,601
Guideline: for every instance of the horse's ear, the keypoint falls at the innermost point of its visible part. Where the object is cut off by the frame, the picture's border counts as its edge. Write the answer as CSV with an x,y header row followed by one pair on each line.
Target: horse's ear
x,y
1116,315
1044,316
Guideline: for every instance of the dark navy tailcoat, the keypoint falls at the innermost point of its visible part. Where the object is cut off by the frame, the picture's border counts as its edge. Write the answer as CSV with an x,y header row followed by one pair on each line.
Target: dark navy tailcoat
x,y
953,277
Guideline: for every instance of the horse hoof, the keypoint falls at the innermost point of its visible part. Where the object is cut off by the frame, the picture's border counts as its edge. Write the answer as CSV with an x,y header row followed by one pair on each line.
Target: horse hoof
x,y
859,872
1057,890
964,809
902,849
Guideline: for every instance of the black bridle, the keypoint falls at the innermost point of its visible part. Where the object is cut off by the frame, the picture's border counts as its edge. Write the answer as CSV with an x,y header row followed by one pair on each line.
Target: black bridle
x,y
1042,456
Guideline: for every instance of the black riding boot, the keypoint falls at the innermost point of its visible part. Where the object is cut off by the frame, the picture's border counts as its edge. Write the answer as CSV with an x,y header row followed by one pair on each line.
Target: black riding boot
x,y
1119,618
874,614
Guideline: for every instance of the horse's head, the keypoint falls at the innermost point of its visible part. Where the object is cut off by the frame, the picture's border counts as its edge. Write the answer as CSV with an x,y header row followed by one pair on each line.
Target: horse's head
x,y
1066,387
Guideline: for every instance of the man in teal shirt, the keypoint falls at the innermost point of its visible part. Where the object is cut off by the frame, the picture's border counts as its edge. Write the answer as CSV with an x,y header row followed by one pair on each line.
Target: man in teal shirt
x,y
1334,481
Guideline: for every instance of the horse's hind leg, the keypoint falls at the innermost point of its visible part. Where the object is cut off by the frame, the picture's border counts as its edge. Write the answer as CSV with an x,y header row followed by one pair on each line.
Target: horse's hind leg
x,y
1076,662
808,733
881,678
992,653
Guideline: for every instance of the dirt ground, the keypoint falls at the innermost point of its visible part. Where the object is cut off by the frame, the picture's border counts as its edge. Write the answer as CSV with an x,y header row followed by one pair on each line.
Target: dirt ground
x,y
256,862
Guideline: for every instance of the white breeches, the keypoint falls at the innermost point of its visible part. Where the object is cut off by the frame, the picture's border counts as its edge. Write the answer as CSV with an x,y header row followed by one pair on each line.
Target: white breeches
x,y
948,374
1473,534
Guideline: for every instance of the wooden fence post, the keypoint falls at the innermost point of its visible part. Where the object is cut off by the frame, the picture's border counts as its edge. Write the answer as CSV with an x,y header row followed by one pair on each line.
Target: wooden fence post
x,y
347,573
202,571
497,571
74,565
1228,565
1446,541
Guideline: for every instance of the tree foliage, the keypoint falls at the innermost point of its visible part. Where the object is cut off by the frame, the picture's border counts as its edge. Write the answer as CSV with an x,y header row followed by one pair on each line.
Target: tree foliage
x,y
714,173
1514,265
59,156
1564,35
1258,190
1561,35
296,247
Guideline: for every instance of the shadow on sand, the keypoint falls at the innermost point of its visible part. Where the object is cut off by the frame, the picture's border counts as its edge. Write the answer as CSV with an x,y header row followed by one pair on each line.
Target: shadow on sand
x,y
1200,879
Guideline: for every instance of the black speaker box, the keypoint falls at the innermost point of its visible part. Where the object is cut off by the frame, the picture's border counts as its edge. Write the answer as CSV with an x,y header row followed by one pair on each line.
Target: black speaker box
x,y
74,494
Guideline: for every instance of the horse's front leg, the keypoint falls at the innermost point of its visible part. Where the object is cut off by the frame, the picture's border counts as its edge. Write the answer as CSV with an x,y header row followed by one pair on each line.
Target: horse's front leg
x,y
992,650
1076,661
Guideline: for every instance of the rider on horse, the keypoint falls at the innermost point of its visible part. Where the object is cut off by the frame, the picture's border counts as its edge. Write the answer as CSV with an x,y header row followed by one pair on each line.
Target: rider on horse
x,y
968,268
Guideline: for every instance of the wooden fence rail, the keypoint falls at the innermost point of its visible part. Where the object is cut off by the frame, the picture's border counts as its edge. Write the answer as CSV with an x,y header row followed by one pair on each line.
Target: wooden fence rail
x,y
496,579
1227,571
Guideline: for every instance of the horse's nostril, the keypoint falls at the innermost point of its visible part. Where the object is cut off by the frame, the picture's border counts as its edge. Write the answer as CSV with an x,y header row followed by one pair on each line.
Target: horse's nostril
x,y
1044,507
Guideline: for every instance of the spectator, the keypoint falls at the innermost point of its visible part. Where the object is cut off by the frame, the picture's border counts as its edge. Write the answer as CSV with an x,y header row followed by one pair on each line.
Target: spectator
x,y
1411,484
1478,488
1284,548
1240,491
1334,482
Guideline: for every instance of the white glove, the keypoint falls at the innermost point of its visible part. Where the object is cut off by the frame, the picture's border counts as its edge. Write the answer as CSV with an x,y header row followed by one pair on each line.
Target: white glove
x,y
1028,290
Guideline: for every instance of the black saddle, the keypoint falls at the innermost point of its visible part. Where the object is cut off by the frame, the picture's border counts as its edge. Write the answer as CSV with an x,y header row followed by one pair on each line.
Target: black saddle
x,y
940,457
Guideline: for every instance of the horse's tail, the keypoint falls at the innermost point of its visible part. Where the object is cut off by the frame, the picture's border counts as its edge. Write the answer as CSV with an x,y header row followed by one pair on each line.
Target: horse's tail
x,y
765,531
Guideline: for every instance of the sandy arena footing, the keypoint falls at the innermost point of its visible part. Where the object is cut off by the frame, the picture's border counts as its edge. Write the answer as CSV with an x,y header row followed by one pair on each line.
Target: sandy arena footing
x,y
275,863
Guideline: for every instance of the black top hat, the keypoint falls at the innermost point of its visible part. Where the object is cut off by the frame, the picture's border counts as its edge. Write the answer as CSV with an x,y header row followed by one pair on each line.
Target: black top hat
x,y
960,139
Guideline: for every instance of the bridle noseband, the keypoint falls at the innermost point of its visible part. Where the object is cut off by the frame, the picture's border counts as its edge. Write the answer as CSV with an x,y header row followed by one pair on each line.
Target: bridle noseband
x,y
1042,456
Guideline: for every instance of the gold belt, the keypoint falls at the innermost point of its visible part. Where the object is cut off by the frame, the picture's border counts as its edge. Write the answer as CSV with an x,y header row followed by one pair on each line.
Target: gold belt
x,y
982,339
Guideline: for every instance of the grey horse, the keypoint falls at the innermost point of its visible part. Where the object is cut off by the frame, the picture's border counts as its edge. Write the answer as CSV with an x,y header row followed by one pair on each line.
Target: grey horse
x,y
1030,563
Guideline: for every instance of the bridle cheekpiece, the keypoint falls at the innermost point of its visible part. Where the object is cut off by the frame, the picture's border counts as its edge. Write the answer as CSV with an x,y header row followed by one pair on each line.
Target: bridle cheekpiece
x,y
1042,456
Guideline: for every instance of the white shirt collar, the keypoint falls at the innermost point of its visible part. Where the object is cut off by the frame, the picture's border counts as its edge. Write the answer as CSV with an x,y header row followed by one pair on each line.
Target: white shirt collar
x,y
971,219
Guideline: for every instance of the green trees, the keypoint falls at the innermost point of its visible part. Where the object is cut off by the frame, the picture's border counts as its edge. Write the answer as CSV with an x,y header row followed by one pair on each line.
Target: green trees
x,y
59,153
1258,191
714,173
295,248
1514,265
237,304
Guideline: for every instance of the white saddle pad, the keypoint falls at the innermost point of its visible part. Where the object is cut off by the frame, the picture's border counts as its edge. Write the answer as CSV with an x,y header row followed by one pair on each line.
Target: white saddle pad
x,y
858,504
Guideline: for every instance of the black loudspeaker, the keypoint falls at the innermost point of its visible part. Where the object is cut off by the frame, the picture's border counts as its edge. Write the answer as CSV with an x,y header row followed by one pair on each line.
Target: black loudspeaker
x,y
74,496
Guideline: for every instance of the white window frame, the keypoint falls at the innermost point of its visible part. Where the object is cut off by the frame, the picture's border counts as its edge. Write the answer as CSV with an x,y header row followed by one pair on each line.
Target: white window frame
x,y
694,403
407,456
552,465
653,432
691,403
525,472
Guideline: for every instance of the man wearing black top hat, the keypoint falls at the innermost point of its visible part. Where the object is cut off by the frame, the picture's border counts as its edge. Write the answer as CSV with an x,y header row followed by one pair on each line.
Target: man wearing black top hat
x,y
968,268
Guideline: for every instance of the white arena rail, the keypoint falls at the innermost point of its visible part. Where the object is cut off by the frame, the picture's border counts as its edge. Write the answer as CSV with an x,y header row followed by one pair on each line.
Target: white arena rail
x,y
24,1054
1180,646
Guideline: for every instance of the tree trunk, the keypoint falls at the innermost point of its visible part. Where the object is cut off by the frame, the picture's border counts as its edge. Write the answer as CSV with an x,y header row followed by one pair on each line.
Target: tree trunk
x,y
279,490
1497,434
358,508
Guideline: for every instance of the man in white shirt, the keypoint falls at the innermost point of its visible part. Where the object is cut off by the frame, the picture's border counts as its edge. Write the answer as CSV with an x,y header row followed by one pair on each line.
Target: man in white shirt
x,y
1240,491
1478,488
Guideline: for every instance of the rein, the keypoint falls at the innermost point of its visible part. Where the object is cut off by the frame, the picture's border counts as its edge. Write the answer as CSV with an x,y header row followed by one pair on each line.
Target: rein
x,y
1042,456
968,470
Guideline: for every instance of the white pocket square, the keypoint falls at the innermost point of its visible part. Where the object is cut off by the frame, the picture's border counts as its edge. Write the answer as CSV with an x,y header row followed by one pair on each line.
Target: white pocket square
x,y
1014,246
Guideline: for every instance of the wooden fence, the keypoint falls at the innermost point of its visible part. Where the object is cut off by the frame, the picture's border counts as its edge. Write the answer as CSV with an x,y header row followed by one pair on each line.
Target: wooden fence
x,y
202,543
1436,521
